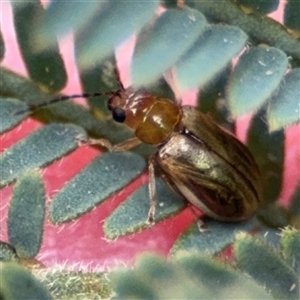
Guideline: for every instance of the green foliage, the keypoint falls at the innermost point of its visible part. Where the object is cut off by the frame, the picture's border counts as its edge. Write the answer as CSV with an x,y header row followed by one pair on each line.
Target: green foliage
x,y
282,216
9,106
66,19
45,67
8,253
268,150
258,27
96,182
294,208
16,284
267,267
215,239
173,38
290,247
13,85
196,276
38,149
282,110
187,275
261,6
204,59
192,276
130,216
160,46
116,22
291,14
2,47
211,100
26,215
254,79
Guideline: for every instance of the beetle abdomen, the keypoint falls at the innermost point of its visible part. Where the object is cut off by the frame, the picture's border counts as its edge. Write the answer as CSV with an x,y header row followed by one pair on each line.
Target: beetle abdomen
x,y
207,180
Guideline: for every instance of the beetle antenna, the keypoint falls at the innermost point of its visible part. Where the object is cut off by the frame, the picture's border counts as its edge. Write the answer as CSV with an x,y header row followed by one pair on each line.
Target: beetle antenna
x,y
32,108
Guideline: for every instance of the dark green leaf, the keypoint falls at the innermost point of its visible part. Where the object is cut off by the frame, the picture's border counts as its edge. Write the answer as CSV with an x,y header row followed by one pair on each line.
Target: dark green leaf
x,y
266,267
157,50
104,176
268,151
132,215
46,67
274,215
16,86
26,215
169,3
38,149
128,285
211,100
222,281
2,47
62,17
16,284
8,253
8,118
176,3
270,235
260,29
160,88
101,78
291,14
211,53
155,278
190,277
284,107
218,236
290,247
116,22
256,76
261,6
294,208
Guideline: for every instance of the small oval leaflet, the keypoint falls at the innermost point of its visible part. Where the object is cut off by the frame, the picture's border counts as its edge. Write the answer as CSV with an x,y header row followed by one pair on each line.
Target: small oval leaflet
x,y
204,60
8,107
172,34
284,108
105,175
214,240
254,79
130,216
26,215
38,149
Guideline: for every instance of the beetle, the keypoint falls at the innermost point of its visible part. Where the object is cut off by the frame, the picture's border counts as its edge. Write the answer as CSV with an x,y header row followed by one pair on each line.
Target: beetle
x,y
207,166
201,162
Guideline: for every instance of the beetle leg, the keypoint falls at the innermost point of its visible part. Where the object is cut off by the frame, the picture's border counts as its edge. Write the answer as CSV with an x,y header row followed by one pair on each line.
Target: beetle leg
x,y
101,142
202,227
127,144
123,146
152,192
200,223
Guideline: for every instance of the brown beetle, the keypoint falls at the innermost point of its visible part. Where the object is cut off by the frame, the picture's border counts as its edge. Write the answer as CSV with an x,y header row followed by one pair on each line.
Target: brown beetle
x,y
209,167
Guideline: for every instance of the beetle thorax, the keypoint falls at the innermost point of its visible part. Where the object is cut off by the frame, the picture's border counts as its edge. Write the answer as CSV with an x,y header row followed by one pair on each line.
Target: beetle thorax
x,y
153,119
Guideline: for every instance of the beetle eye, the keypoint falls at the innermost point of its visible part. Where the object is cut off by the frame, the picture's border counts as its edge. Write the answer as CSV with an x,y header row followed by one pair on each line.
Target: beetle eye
x,y
119,114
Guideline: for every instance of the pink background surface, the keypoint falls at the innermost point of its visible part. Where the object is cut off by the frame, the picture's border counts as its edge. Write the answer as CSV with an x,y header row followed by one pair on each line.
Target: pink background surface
x,y
82,242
